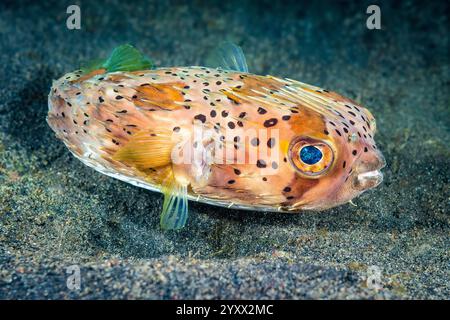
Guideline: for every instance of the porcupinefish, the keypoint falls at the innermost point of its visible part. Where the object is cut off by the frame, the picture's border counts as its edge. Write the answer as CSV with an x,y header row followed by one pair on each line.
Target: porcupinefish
x,y
216,134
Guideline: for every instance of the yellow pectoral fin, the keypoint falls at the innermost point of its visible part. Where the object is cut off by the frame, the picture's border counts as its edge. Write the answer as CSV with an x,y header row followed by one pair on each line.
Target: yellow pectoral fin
x,y
147,150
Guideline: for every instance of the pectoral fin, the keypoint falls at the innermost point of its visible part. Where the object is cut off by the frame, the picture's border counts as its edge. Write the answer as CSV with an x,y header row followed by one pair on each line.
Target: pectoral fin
x,y
147,149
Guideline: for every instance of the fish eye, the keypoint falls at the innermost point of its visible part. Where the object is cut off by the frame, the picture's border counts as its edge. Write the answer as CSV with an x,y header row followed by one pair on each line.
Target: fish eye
x,y
310,157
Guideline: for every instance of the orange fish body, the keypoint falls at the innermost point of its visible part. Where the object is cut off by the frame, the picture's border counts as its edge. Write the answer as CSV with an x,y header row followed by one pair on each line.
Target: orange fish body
x,y
224,137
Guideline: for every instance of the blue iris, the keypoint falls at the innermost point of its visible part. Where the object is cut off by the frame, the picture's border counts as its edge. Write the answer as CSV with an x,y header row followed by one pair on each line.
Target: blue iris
x,y
310,155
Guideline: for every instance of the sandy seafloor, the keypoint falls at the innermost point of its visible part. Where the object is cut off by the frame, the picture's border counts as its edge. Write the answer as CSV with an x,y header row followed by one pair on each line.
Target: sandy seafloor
x,y
56,212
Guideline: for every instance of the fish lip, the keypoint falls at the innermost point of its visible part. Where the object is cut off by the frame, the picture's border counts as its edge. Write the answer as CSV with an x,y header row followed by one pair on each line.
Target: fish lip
x,y
374,174
367,180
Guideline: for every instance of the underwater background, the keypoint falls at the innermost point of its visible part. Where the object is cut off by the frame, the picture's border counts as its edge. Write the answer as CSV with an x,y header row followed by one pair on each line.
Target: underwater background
x,y
55,212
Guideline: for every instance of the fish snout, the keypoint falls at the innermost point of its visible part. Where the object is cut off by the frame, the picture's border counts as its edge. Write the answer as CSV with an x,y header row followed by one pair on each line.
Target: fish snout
x,y
367,173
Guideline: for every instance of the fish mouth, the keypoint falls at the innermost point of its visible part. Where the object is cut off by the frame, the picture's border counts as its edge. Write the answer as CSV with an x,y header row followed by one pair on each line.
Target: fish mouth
x,y
367,180
367,174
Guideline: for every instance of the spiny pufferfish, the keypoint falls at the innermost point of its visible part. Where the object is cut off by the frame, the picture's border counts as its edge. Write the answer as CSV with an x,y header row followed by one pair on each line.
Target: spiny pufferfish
x,y
217,134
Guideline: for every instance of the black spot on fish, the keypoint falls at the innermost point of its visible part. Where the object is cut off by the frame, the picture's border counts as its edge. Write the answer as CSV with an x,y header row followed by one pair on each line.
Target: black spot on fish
x,y
255,142
270,122
261,163
261,110
200,117
271,142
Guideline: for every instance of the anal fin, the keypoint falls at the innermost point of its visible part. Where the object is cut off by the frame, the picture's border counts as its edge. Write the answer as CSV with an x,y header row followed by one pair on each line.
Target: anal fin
x,y
175,207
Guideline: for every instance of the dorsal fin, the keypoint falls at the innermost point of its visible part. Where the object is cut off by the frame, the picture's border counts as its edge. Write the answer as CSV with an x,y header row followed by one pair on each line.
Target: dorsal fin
x,y
228,56
123,58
